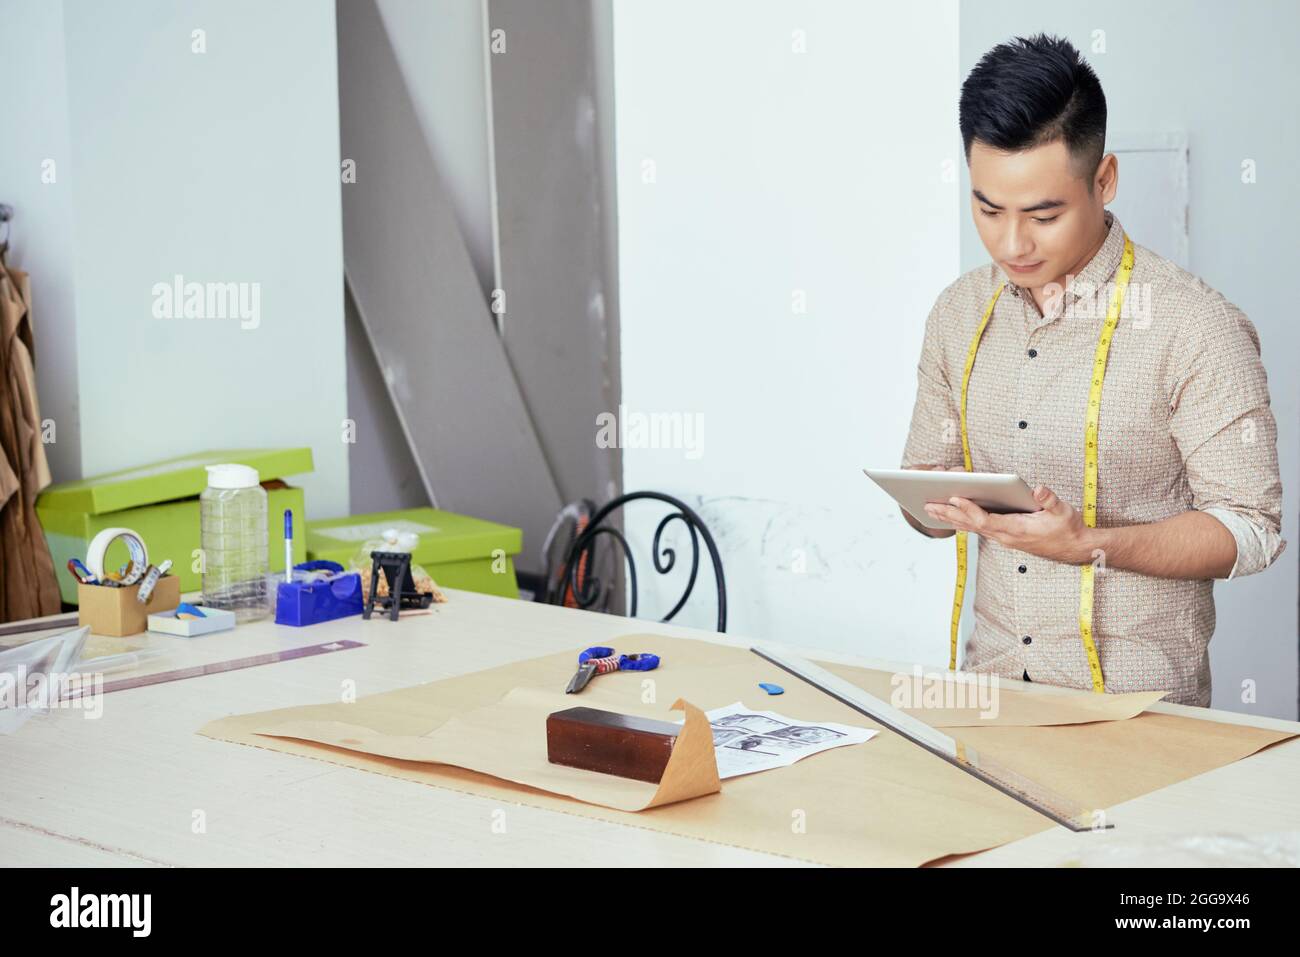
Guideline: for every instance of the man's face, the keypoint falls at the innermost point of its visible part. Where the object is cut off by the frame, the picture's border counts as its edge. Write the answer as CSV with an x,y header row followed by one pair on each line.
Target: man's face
x,y
1033,209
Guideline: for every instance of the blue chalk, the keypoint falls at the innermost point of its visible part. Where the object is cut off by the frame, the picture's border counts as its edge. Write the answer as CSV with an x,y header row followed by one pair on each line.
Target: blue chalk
x,y
771,688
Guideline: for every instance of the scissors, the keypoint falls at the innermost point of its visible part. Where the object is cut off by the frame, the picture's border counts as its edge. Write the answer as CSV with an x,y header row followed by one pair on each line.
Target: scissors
x,y
600,660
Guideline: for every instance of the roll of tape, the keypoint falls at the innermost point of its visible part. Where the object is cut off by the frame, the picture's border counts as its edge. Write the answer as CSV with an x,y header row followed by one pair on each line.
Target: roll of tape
x,y
134,546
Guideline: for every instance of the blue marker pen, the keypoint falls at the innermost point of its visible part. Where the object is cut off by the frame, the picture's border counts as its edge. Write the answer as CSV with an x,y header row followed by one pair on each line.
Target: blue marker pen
x,y
288,545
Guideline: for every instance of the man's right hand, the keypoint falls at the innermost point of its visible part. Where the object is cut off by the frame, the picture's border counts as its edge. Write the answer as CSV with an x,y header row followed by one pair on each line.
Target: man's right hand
x,y
931,532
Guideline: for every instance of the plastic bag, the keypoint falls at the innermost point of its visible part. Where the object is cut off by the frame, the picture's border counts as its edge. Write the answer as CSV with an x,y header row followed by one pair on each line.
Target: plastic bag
x,y
21,697
393,541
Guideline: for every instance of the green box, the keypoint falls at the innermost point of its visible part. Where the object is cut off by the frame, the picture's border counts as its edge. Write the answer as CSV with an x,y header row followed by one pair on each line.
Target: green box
x,y
160,502
457,550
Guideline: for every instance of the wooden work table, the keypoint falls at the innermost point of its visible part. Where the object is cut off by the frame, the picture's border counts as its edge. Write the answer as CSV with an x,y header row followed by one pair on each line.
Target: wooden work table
x,y
125,789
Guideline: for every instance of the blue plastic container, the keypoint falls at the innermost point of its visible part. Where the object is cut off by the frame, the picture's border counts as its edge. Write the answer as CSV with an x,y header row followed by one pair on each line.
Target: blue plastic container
x,y
309,602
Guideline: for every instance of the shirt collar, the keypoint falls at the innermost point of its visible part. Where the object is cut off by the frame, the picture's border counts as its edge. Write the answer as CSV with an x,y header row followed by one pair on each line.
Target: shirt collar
x,y
1095,275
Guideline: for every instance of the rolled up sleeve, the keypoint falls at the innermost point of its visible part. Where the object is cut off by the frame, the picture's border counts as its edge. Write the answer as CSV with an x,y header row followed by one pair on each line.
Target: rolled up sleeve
x,y
1257,546
934,436
1221,419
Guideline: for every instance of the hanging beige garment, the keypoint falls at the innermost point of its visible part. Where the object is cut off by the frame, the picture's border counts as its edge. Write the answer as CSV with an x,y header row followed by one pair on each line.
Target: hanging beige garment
x,y
28,587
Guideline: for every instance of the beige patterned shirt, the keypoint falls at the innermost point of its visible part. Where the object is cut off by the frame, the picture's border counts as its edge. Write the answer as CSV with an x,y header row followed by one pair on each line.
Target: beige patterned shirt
x,y
1185,424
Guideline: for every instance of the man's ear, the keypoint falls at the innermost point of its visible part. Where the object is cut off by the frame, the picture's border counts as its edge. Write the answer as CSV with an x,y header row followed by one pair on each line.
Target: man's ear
x,y
1106,180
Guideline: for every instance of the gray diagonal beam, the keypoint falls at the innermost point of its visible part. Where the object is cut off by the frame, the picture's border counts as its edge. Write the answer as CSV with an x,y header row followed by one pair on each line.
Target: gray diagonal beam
x,y
421,305
554,174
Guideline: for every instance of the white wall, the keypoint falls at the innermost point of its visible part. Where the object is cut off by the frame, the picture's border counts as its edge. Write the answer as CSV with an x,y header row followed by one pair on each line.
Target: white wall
x,y
221,166
779,171
1227,76
819,172
34,117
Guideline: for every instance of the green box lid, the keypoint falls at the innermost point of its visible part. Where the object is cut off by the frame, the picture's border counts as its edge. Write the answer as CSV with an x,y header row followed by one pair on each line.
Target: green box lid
x,y
444,536
181,477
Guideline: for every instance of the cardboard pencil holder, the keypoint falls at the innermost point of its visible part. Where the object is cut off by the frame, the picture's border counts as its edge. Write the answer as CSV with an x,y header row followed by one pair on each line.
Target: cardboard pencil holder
x,y
115,611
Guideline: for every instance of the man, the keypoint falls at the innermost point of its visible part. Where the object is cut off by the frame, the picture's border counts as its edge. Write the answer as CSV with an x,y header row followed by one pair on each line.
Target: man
x,y
1187,487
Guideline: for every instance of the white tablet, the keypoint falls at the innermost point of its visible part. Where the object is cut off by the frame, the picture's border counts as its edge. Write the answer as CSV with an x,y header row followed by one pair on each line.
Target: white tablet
x,y
1001,493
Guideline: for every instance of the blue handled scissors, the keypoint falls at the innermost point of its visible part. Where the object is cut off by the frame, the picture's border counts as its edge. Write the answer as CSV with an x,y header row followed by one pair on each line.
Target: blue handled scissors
x,y
601,660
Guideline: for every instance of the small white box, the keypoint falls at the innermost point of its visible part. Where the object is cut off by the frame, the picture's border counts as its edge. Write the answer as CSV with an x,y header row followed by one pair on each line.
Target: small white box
x,y
215,619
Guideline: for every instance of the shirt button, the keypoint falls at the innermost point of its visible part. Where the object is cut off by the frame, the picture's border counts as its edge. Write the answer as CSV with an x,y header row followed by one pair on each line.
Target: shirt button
x,y
1032,353
1022,569
1023,424
1026,640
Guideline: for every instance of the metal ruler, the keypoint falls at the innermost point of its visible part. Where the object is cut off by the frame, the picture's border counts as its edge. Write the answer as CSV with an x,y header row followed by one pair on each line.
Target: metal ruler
x,y
1062,810
51,623
214,668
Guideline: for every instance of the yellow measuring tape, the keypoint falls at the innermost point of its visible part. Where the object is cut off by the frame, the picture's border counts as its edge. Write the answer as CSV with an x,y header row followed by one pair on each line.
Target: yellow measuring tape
x,y
1089,464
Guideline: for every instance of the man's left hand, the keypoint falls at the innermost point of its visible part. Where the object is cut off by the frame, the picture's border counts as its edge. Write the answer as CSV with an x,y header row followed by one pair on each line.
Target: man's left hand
x,y
1057,532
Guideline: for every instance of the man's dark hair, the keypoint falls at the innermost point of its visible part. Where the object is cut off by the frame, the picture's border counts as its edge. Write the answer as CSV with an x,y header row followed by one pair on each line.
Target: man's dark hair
x,y
1033,91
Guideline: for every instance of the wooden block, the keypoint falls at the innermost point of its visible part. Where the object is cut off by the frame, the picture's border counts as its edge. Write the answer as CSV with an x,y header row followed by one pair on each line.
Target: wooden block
x,y
610,743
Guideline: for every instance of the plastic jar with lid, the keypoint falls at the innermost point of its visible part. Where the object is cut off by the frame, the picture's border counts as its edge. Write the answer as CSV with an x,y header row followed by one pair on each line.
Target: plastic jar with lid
x,y
233,536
